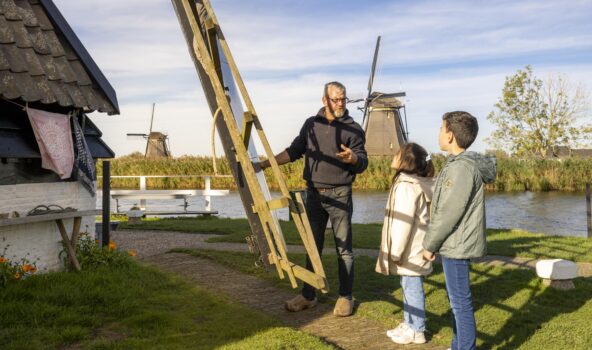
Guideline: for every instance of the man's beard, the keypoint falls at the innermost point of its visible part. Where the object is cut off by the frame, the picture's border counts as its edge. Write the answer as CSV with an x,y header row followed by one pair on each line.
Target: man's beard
x,y
338,113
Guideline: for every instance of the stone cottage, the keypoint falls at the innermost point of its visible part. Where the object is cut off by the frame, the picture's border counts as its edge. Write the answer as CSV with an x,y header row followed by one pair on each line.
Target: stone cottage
x,y
44,67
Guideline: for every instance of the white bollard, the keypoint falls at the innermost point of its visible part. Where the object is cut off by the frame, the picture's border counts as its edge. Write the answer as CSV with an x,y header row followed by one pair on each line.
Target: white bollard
x,y
557,273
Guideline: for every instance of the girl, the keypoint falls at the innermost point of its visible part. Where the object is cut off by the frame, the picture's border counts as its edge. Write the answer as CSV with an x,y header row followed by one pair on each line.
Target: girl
x,y
405,225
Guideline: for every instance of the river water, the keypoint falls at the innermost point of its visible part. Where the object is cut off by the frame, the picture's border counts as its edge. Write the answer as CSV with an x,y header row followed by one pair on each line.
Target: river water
x,y
555,213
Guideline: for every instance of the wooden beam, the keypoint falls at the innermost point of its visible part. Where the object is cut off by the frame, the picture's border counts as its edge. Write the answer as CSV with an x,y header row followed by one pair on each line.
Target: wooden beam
x,y
246,127
71,251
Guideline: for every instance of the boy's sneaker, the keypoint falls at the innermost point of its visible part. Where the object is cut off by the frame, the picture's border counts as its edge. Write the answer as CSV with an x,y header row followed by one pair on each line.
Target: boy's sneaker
x,y
408,336
299,303
397,330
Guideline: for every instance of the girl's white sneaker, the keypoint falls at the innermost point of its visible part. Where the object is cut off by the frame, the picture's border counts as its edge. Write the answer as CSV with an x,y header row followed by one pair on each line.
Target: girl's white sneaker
x,y
408,336
397,330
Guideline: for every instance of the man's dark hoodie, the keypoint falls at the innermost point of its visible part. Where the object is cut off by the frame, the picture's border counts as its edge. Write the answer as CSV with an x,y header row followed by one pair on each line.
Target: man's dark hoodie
x,y
319,141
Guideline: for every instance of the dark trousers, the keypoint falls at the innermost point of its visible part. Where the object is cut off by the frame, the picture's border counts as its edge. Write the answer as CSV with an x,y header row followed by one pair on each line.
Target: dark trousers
x,y
333,204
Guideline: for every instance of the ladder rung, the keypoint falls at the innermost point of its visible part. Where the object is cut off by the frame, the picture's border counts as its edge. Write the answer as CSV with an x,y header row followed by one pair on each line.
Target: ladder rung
x,y
278,203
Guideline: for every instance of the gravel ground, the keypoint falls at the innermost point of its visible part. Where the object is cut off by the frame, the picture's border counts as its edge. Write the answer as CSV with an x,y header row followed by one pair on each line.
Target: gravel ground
x,y
149,243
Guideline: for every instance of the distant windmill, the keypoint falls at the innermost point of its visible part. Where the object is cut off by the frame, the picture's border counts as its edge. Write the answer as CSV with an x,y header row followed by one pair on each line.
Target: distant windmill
x,y
383,118
157,143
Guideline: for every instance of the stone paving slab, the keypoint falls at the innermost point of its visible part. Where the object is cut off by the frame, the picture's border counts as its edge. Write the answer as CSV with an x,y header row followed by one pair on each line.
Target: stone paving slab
x,y
343,332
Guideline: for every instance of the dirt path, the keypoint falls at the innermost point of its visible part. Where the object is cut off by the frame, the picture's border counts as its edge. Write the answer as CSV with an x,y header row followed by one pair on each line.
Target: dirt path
x,y
344,332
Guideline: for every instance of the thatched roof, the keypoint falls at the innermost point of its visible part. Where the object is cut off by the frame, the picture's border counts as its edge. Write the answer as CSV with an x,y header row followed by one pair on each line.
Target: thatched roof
x,y
42,60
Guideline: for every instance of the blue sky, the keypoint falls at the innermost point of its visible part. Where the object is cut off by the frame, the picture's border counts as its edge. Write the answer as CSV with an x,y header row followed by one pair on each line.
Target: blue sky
x,y
447,55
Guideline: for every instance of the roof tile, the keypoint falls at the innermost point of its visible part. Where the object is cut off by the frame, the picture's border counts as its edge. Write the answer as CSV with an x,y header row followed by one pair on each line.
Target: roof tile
x,y
6,36
10,10
14,58
38,40
37,62
42,19
26,12
55,46
4,65
32,60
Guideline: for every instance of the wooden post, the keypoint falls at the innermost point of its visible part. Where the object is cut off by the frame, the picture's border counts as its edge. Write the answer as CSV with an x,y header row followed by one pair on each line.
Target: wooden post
x,y
143,188
207,197
104,237
588,210
70,250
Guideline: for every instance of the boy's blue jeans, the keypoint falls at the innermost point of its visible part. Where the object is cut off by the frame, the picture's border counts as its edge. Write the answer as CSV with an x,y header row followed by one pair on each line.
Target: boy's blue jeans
x,y
413,302
333,204
456,273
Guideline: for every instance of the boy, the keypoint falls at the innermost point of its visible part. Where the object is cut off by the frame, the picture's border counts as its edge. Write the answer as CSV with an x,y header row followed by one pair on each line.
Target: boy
x,y
457,226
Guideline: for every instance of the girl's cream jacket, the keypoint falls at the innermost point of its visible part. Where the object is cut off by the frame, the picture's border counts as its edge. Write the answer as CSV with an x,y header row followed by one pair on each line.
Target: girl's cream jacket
x,y
406,222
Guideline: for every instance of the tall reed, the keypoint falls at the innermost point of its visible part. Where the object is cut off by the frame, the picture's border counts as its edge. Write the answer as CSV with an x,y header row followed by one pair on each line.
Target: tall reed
x,y
512,174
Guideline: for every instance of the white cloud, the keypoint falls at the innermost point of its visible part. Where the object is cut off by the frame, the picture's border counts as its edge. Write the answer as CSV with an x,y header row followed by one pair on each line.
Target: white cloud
x,y
446,55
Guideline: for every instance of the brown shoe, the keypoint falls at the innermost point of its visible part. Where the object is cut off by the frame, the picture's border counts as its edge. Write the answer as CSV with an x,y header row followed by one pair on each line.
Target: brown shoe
x,y
343,307
299,303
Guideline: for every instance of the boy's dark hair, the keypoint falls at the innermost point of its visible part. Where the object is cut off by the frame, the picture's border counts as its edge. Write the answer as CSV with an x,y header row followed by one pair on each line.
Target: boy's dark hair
x,y
414,161
463,126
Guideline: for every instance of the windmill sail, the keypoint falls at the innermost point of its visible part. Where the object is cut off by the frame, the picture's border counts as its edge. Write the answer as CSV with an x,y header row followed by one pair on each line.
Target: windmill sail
x,y
371,81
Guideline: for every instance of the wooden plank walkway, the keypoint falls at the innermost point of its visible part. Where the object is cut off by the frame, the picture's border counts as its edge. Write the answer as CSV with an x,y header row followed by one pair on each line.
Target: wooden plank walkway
x,y
343,332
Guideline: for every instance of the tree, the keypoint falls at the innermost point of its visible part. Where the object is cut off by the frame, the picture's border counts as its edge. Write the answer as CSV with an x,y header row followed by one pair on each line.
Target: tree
x,y
533,117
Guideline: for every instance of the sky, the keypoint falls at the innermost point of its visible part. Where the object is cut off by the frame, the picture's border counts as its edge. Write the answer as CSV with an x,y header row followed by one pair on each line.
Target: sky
x,y
446,55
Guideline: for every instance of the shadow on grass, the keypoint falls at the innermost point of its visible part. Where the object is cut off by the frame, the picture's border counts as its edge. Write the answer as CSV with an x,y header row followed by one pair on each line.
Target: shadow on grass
x,y
511,305
532,245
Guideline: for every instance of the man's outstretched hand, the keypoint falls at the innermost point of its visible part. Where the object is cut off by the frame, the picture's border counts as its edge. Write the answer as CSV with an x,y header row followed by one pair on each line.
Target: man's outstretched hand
x,y
347,156
262,165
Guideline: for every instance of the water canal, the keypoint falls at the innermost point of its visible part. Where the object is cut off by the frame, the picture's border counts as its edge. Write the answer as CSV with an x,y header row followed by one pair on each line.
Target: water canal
x,y
558,213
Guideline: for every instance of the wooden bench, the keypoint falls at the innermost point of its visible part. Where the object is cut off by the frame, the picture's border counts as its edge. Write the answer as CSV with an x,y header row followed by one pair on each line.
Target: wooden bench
x,y
69,242
190,212
167,194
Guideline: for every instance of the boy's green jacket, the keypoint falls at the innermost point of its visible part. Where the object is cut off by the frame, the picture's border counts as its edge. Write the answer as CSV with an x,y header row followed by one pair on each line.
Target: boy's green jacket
x,y
457,224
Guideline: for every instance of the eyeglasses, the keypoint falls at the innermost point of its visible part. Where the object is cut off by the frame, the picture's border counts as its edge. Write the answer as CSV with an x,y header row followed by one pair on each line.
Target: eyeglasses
x,y
337,100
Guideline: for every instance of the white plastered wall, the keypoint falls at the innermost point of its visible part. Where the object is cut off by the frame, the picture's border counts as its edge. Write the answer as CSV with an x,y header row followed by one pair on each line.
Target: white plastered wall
x,y
42,240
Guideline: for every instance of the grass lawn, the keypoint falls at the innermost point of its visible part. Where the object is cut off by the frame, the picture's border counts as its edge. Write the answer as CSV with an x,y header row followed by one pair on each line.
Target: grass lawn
x,y
500,241
133,308
512,307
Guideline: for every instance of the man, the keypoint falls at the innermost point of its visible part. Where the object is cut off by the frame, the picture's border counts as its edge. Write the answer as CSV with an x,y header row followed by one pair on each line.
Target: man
x,y
332,144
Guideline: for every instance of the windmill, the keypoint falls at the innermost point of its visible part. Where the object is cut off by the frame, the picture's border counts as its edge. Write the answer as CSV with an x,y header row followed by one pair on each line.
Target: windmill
x,y
385,118
157,143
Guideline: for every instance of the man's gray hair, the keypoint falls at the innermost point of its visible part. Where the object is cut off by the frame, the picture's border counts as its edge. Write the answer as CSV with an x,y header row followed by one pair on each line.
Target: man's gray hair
x,y
336,85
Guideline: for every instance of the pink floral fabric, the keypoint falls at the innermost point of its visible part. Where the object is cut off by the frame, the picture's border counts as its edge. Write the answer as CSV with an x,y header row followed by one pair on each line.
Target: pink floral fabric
x,y
54,137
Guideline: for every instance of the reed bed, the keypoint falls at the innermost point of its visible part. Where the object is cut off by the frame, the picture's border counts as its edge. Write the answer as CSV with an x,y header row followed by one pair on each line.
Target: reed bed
x,y
513,174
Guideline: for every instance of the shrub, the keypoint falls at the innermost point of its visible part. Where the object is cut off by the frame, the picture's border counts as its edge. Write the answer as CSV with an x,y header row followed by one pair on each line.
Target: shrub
x,y
91,256
16,269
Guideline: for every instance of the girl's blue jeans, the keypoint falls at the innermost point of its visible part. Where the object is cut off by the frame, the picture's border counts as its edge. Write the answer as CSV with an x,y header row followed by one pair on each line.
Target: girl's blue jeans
x,y
413,302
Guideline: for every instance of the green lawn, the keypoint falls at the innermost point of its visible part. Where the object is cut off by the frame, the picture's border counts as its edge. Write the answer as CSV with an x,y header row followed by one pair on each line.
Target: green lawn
x,y
133,308
512,307
500,242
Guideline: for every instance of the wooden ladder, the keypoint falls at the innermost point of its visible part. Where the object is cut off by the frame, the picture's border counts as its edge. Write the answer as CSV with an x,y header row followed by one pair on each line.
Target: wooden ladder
x,y
219,74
